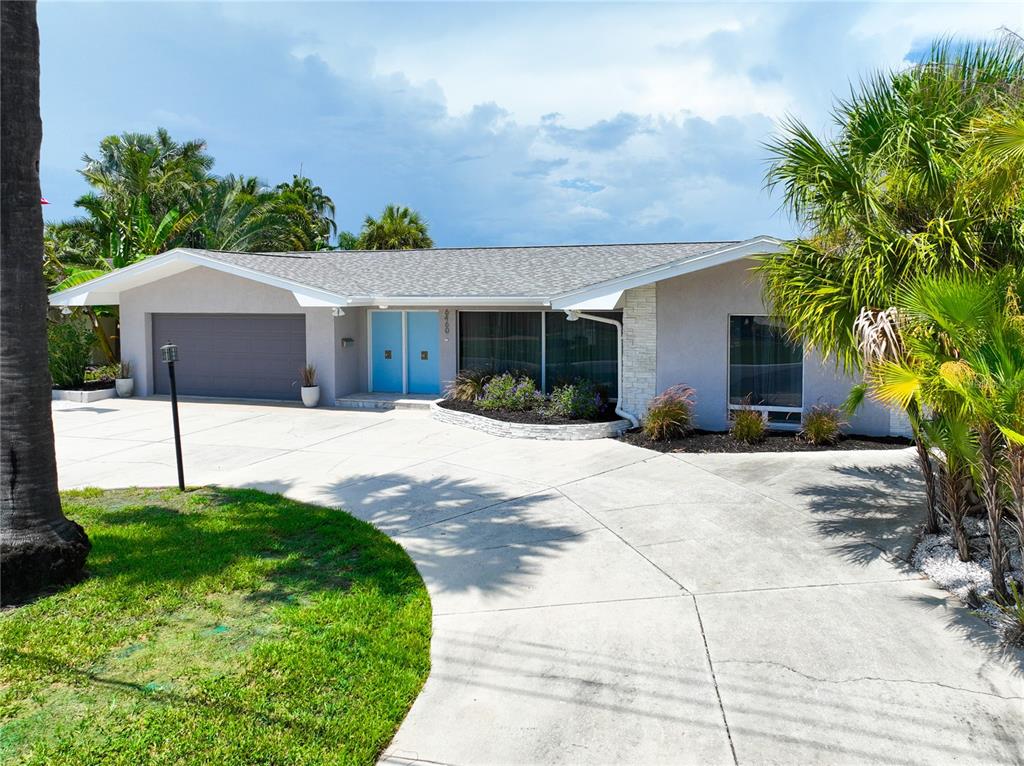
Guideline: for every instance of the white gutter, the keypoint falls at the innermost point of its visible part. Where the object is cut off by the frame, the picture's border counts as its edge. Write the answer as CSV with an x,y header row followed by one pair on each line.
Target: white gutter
x,y
572,315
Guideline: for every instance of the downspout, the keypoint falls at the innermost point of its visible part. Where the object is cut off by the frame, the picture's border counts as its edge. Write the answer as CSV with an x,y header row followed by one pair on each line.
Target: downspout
x,y
572,315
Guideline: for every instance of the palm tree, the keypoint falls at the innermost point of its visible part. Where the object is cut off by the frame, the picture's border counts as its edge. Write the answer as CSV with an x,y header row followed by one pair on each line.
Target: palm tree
x,y
398,228
925,175
132,165
964,360
242,215
317,206
39,547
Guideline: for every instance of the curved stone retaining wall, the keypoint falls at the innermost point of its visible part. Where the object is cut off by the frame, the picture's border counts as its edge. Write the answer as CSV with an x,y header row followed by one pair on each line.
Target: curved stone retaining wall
x,y
573,432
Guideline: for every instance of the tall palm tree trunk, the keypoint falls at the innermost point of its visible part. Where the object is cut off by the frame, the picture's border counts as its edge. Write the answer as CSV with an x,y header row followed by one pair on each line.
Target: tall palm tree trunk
x,y
924,460
39,547
1015,478
989,469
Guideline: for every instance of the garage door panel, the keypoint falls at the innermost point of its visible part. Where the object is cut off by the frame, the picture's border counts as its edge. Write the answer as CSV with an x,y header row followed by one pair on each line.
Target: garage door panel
x,y
232,355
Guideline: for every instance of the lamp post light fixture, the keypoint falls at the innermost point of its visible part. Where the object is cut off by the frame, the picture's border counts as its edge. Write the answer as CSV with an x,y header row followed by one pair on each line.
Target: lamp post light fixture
x,y
169,355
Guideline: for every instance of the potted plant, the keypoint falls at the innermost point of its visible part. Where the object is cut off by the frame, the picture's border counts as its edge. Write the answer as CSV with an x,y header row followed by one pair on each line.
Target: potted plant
x,y
310,389
123,382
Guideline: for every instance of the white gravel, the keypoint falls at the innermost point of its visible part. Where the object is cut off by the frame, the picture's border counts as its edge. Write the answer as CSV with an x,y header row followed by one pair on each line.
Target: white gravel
x,y
969,581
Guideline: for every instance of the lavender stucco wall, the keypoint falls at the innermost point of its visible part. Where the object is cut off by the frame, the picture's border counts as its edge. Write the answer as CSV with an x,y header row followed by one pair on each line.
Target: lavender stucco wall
x,y
693,346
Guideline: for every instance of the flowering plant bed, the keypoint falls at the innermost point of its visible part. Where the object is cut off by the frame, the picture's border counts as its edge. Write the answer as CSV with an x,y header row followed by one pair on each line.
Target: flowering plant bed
x,y
774,441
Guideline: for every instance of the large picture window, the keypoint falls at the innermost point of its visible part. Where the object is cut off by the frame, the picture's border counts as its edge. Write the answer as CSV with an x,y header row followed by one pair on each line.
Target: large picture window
x,y
507,341
501,341
583,349
765,368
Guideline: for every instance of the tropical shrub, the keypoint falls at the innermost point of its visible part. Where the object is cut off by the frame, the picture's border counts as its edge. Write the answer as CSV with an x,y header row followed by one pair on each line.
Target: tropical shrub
x,y
823,425
104,372
508,392
580,399
69,343
669,414
468,385
747,426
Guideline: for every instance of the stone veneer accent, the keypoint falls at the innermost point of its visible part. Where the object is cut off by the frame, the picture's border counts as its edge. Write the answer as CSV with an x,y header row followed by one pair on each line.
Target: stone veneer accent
x,y
574,432
639,348
899,424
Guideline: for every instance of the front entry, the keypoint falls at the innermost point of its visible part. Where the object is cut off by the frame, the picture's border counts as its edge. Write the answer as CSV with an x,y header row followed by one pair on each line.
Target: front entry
x,y
424,365
386,348
405,350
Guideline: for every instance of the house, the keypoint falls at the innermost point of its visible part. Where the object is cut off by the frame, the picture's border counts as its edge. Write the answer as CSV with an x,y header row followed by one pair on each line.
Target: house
x,y
407,321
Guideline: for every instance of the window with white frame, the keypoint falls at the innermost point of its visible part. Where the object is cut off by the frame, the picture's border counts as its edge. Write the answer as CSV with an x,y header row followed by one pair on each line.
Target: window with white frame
x,y
765,369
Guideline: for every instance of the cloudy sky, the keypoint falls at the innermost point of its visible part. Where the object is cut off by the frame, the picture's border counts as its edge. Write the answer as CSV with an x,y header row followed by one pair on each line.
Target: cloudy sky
x,y
503,123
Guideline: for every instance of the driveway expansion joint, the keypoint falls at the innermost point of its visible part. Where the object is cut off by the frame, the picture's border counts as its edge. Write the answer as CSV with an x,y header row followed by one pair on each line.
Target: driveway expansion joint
x,y
714,680
852,584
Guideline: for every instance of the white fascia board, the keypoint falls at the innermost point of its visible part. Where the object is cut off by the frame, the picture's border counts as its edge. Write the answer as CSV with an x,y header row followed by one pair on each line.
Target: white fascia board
x,y
155,267
449,300
717,257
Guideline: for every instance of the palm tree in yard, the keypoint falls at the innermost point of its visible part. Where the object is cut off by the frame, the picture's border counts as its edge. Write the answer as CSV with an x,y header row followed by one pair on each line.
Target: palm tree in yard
x,y
924,175
39,546
964,364
397,228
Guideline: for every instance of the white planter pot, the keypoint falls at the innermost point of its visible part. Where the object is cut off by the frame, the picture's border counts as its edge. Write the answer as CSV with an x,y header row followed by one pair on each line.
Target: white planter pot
x,y
311,395
125,386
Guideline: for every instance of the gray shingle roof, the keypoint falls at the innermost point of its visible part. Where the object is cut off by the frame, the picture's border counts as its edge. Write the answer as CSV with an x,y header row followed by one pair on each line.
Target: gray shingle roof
x,y
506,272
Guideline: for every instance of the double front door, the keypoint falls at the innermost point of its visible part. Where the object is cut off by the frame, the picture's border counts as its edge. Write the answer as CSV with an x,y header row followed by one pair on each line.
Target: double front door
x,y
404,350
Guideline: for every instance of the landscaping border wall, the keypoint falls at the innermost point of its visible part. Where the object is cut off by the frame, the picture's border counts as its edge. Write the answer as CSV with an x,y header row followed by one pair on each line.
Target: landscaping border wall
x,y
567,432
83,397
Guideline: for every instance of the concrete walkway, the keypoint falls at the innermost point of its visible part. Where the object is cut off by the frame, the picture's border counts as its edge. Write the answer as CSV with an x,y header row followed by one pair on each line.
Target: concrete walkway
x,y
598,603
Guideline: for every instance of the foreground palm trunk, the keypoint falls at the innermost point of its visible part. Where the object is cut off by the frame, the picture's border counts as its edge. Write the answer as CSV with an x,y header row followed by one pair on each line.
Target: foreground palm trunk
x,y
39,547
989,468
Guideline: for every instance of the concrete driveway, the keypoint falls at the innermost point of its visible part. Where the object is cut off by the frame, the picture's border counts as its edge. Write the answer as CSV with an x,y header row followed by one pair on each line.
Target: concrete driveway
x,y
598,603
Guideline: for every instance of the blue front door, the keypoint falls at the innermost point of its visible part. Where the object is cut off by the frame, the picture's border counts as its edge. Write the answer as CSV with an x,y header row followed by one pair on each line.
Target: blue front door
x,y
386,350
423,352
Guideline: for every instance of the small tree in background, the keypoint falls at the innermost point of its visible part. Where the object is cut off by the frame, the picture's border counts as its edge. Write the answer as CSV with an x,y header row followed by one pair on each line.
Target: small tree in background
x,y
397,228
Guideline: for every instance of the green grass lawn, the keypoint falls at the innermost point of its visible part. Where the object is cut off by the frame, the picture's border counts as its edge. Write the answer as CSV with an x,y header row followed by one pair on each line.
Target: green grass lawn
x,y
216,626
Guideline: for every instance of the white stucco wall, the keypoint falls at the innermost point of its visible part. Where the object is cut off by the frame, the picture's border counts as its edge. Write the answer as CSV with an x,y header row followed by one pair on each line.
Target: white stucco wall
x,y
693,346
208,291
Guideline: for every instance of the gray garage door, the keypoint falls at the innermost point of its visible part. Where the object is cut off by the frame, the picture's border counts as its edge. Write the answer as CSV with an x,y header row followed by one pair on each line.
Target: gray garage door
x,y
256,356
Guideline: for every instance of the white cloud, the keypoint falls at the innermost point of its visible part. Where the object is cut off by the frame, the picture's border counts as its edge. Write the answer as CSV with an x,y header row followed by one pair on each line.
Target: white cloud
x,y
503,124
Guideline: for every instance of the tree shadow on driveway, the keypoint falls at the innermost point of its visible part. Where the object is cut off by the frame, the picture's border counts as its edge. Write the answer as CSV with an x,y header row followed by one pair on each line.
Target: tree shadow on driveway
x,y
869,511
465,536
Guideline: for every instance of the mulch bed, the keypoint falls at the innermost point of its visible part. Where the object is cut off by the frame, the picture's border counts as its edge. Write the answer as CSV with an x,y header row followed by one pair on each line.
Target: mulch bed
x,y
89,385
721,441
534,417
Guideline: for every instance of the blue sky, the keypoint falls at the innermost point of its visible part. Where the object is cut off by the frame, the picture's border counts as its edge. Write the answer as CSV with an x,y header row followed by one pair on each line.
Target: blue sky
x,y
503,124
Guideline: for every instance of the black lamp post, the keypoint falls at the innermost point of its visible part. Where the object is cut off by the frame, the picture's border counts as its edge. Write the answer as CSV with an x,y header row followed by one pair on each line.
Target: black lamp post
x,y
169,354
